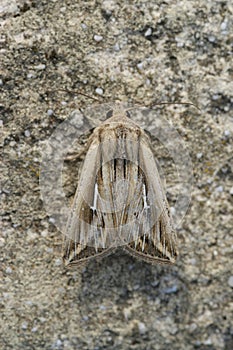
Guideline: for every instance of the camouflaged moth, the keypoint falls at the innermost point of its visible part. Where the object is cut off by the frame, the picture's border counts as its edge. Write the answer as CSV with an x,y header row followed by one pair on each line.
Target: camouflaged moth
x,y
120,200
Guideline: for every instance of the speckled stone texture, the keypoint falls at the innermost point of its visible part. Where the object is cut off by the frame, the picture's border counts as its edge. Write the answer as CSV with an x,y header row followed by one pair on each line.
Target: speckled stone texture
x,y
141,52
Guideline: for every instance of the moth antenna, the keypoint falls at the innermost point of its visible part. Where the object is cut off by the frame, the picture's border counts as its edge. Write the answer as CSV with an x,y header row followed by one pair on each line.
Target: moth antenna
x,y
78,93
111,106
163,103
175,103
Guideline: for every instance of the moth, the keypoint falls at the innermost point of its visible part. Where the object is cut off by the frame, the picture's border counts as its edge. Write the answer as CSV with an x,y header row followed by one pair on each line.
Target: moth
x,y
120,200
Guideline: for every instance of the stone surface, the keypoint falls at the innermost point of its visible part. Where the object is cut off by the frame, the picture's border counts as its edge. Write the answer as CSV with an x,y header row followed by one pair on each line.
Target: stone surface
x,y
46,51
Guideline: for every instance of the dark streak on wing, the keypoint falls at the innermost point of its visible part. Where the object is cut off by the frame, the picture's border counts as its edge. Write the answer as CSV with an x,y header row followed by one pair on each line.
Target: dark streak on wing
x,y
125,167
160,230
115,168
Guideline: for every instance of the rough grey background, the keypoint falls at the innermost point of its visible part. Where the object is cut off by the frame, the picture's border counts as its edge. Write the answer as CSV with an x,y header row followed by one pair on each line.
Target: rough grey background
x,y
138,51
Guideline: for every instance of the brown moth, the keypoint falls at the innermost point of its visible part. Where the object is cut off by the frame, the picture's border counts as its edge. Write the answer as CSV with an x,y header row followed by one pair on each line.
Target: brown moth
x,y
120,200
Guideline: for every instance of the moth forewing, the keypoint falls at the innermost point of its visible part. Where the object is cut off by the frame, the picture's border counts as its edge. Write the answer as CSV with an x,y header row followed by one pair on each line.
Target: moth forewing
x,y
120,200
162,235
84,236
